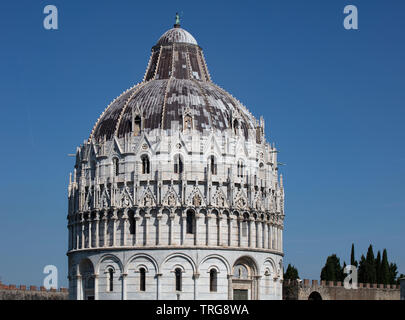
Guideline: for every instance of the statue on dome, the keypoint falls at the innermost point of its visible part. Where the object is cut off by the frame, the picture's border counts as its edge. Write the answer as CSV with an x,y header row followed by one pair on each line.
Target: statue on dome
x,y
177,19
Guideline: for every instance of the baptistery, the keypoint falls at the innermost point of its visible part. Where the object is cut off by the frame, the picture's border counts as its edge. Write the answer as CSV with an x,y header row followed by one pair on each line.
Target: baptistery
x,y
176,193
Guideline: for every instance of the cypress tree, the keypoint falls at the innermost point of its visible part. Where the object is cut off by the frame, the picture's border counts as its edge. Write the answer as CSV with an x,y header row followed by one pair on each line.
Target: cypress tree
x,y
393,271
343,275
371,274
385,269
378,267
362,270
353,261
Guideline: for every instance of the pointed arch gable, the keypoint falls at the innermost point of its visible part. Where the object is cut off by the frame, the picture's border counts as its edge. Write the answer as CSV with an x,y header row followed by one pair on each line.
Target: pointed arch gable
x,y
173,194
115,148
196,192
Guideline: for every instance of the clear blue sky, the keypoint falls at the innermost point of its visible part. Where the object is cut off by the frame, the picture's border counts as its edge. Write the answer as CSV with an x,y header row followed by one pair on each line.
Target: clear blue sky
x,y
333,101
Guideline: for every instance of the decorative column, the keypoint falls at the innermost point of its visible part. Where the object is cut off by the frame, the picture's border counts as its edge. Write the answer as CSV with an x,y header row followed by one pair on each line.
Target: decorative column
x,y
158,289
77,225
250,244
97,229
82,244
124,232
257,280
230,291
114,220
230,230
240,219
79,290
70,236
95,286
197,223
270,236
265,235
147,219
259,234
281,239
105,219
124,286
183,228
137,223
158,218
220,230
208,241
195,277
90,230
275,237
171,219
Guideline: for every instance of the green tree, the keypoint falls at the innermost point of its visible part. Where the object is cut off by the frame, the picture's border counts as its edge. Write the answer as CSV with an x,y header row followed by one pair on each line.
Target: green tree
x,y
393,271
370,268
361,272
291,273
353,261
332,271
385,268
378,267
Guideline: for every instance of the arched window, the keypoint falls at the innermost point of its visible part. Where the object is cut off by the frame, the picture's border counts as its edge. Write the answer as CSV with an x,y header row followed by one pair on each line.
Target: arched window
x,y
241,168
245,225
145,164
177,274
137,126
142,280
131,219
213,280
93,170
178,164
188,123
236,127
213,165
190,222
116,166
110,280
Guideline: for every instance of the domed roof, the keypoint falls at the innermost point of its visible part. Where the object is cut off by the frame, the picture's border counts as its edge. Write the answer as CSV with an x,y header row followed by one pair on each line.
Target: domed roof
x,y
176,83
160,102
177,35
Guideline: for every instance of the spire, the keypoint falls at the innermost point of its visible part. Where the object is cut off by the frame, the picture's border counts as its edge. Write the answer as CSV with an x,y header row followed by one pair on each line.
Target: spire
x,y
177,24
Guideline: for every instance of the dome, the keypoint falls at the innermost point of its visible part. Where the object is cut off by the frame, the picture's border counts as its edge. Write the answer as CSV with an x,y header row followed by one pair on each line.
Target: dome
x,y
176,180
177,35
176,83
